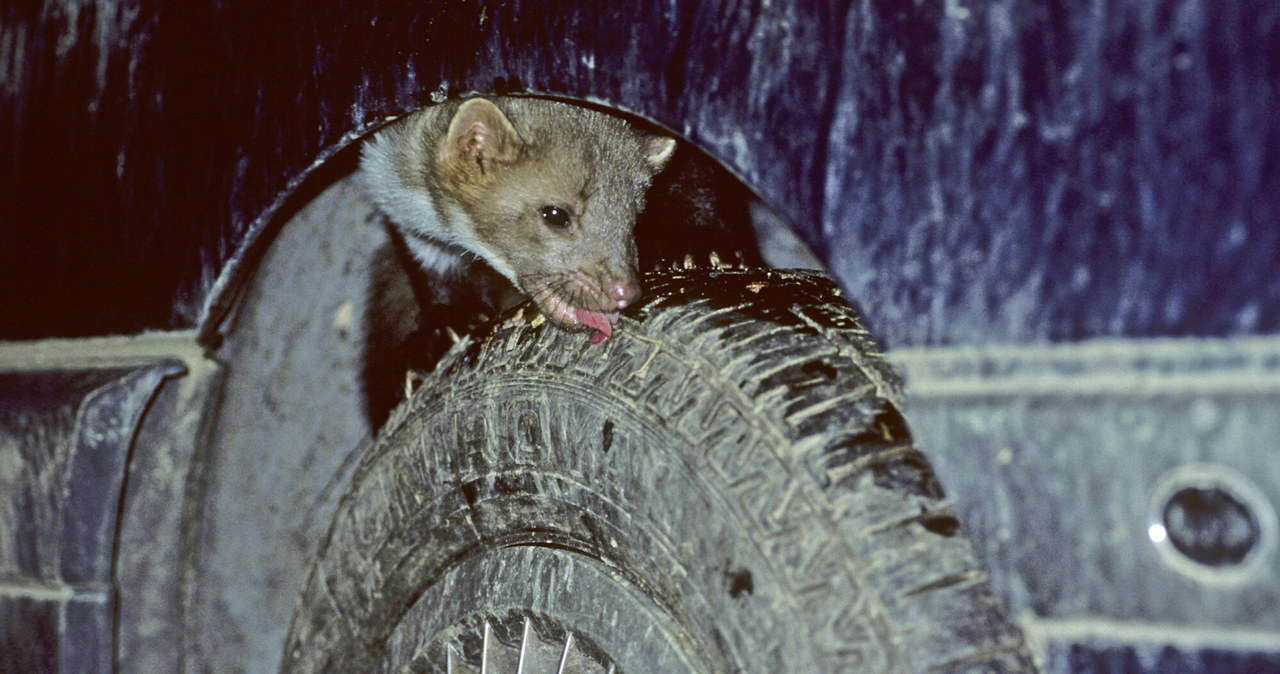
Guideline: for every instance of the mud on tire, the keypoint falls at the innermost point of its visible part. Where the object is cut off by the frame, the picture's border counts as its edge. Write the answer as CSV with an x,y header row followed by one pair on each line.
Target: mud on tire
x,y
726,485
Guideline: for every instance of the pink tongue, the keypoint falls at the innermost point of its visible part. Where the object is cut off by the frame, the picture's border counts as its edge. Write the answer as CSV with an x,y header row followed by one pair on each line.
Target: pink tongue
x,y
602,323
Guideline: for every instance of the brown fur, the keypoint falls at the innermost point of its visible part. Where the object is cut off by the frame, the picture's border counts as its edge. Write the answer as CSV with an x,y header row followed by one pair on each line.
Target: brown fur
x,y
478,177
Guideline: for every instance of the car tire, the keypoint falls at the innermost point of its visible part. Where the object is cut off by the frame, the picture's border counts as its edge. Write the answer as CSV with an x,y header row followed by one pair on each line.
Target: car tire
x,y
724,485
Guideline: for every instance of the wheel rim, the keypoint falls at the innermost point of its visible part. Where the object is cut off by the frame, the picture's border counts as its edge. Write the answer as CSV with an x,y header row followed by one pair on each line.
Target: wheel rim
x,y
565,613
548,649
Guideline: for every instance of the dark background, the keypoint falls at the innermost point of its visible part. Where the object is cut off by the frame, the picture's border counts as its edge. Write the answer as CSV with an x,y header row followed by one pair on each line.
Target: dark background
x,y
997,171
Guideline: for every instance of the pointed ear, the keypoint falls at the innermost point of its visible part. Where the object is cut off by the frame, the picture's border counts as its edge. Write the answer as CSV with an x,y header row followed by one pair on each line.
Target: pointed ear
x,y
479,143
658,150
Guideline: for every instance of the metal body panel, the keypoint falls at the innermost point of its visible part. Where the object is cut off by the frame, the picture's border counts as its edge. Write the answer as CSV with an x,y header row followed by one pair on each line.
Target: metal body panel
x,y
1008,171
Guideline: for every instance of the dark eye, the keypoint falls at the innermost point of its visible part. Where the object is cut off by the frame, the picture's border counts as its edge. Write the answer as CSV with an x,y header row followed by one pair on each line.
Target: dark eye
x,y
555,216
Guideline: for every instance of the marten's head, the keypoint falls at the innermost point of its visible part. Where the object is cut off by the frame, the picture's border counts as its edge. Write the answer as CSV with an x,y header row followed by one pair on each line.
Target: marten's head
x,y
549,194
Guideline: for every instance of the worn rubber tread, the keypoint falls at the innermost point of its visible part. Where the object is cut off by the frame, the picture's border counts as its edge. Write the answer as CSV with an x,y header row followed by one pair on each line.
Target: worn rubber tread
x,y
734,453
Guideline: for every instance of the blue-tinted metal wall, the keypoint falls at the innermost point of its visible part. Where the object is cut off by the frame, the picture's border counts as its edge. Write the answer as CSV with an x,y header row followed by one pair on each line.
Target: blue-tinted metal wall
x,y
1008,170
